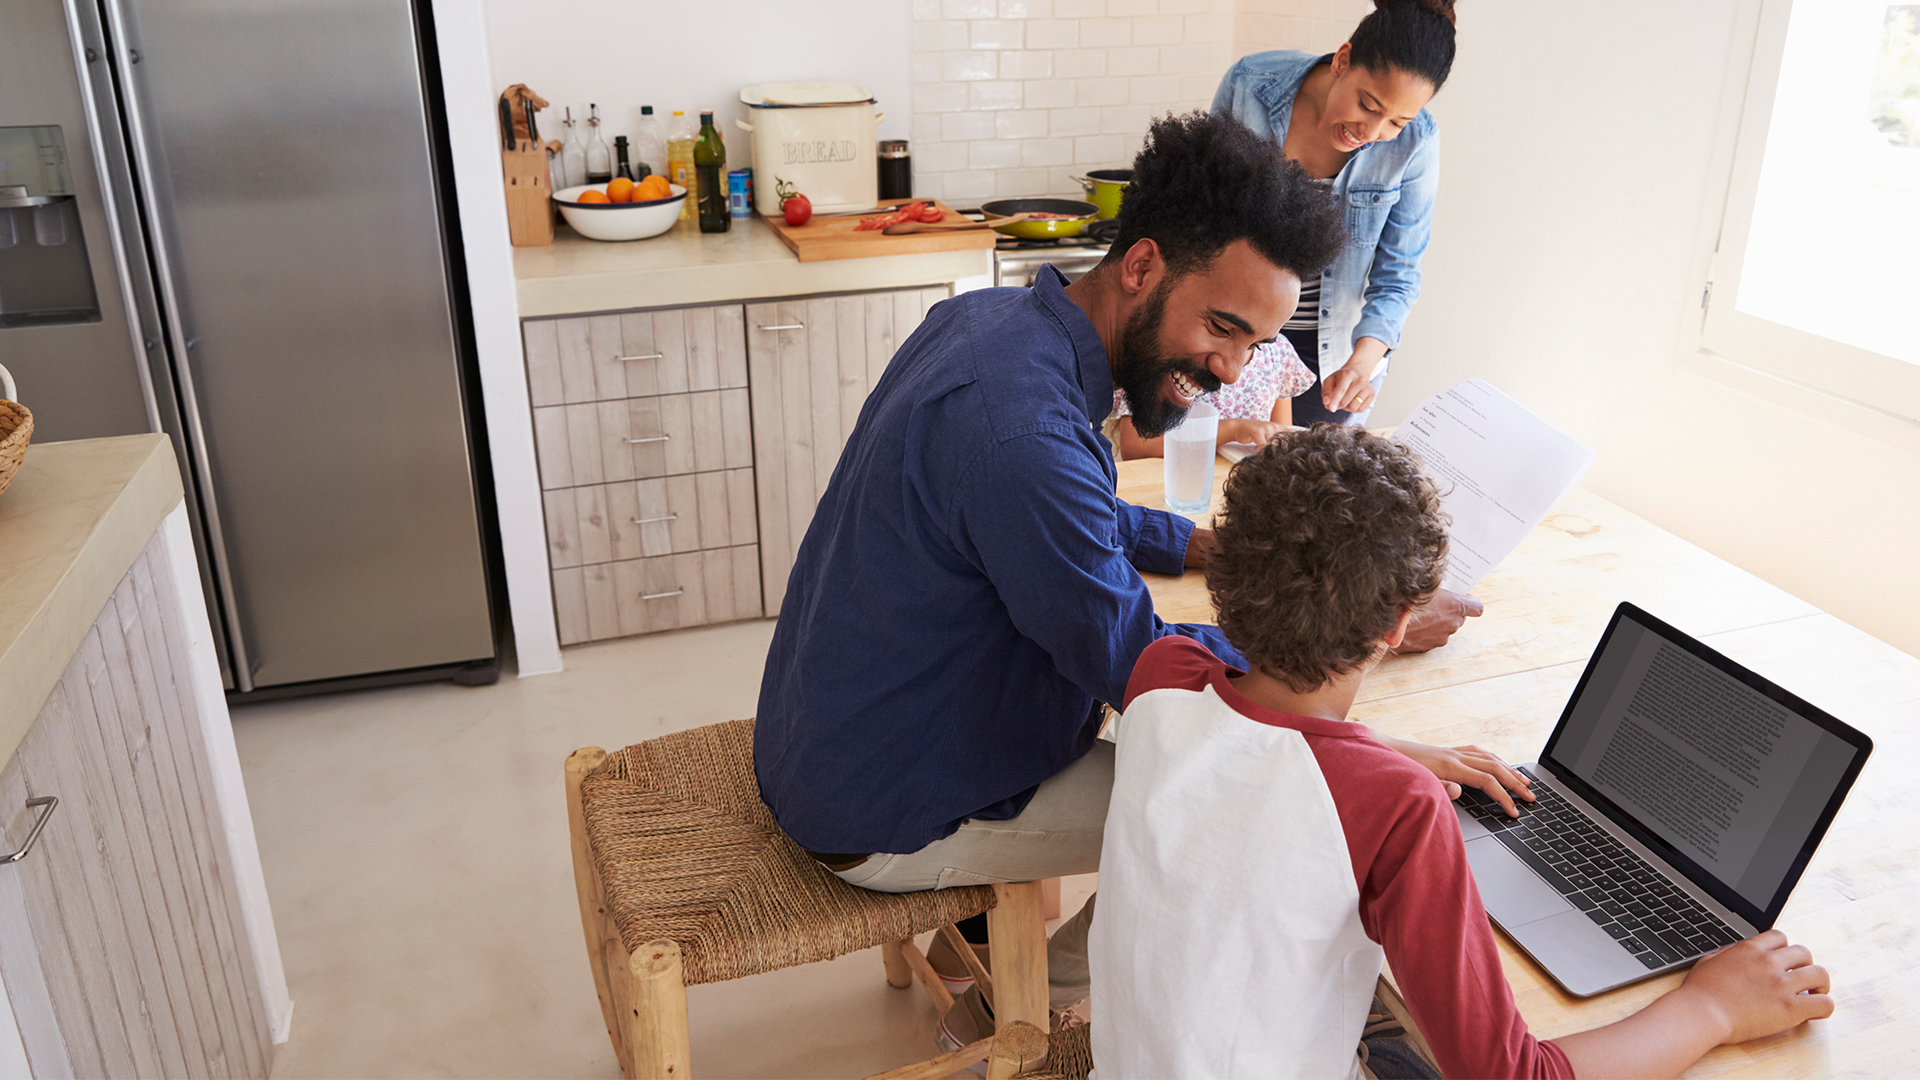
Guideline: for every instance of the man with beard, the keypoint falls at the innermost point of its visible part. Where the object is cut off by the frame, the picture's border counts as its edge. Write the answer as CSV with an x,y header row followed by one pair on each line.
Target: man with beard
x,y
969,591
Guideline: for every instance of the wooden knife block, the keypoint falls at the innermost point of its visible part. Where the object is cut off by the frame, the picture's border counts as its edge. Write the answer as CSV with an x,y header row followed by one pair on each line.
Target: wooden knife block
x,y
529,200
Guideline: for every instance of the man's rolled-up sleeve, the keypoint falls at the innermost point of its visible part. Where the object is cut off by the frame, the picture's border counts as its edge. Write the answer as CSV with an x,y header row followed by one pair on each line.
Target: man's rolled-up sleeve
x,y
1040,519
1155,540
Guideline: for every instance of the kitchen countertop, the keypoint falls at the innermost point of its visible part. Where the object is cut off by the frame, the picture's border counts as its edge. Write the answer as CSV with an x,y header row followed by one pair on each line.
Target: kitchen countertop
x,y
573,276
71,524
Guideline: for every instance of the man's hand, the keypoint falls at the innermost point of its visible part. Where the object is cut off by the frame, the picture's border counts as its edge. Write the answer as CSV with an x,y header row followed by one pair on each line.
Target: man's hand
x,y
1256,432
1200,545
1469,766
1436,620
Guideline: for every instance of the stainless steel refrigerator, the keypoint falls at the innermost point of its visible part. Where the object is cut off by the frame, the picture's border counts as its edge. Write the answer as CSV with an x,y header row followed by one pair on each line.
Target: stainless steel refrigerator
x,y
234,221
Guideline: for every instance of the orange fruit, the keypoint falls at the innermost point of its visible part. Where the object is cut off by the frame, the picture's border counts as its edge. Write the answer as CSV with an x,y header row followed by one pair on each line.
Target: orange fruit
x,y
653,187
620,189
592,196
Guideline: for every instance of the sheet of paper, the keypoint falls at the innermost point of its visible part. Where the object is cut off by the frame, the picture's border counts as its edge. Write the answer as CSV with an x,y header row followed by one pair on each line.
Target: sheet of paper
x,y
1499,467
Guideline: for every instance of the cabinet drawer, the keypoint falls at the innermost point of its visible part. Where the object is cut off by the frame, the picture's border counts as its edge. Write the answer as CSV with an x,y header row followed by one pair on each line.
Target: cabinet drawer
x,y
635,438
642,596
657,516
637,354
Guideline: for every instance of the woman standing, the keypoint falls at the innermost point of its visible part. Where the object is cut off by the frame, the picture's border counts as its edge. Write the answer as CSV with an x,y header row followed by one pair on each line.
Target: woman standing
x,y
1356,120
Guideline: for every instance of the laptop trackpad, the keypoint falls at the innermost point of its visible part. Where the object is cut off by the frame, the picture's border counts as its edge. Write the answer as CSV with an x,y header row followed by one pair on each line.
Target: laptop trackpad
x,y
1514,895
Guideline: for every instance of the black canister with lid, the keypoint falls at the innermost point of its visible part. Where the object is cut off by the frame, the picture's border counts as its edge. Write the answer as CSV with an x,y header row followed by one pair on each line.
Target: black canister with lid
x,y
896,169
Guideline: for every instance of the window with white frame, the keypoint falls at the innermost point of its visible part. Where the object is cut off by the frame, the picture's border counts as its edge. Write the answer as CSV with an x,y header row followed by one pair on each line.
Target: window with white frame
x,y
1816,276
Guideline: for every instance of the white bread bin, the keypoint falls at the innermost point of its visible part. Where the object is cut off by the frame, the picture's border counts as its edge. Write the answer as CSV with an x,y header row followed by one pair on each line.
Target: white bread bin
x,y
817,136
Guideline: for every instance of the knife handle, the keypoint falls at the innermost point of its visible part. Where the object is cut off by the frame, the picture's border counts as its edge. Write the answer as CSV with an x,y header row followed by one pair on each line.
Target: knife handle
x,y
506,122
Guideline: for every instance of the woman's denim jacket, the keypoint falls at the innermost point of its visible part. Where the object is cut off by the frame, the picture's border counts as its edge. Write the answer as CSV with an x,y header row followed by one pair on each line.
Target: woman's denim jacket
x,y
1387,189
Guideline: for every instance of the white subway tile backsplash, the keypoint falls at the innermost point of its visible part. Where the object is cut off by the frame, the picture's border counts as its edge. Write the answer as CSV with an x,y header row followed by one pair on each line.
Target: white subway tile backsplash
x,y
1183,59
993,95
1154,90
993,154
926,128
939,156
966,126
969,66
1124,9
1133,60
1159,30
927,67
969,9
1019,183
1038,152
1199,87
995,33
1124,119
1020,124
1097,150
1081,63
928,185
1065,122
1028,63
1053,34
1025,9
1079,9
1048,94
939,36
1209,26
1100,92
1060,181
969,186
1191,7
1105,33
939,97
926,9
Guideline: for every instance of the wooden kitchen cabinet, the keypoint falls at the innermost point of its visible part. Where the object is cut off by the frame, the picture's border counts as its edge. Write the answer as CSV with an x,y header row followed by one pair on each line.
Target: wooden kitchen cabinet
x,y
122,940
810,366
682,451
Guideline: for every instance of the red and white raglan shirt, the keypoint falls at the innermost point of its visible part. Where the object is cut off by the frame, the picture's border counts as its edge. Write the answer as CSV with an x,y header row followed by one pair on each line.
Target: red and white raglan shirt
x,y
1257,868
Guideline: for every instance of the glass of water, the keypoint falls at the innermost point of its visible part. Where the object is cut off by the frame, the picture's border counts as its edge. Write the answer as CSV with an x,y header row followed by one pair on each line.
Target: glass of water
x,y
1188,451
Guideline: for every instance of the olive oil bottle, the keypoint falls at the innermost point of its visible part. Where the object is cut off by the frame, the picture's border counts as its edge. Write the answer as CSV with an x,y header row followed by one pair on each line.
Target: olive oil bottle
x,y
710,170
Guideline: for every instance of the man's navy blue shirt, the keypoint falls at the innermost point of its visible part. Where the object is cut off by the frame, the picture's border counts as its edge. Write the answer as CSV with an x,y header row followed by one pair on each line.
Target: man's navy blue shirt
x,y
969,587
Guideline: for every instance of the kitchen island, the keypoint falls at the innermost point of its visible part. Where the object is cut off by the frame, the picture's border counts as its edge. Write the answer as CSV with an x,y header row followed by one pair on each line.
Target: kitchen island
x,y
135,935
690,395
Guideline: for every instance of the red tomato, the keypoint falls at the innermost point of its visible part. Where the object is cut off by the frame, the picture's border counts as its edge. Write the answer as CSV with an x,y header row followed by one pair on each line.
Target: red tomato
x,y
797,209
931,214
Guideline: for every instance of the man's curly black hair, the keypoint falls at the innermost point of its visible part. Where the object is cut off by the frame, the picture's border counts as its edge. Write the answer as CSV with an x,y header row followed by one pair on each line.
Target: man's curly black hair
x,y
1205,180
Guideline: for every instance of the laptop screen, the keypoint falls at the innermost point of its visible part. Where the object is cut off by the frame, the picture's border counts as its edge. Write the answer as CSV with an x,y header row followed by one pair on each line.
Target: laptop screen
x,y
1728,771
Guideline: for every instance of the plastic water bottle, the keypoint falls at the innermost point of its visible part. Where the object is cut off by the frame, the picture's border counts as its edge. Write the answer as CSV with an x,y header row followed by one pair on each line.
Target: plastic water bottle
x,y
1189,451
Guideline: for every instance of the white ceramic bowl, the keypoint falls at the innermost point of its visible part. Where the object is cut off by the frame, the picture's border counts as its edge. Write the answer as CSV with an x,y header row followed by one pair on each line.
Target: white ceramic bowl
x,y
619,221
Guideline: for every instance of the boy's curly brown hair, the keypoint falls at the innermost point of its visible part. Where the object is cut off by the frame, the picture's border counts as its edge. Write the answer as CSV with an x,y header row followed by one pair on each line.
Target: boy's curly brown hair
x,y
1325,536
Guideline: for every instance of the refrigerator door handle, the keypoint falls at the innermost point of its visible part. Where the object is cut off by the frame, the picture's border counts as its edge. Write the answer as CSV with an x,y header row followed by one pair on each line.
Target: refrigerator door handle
x,y
139,139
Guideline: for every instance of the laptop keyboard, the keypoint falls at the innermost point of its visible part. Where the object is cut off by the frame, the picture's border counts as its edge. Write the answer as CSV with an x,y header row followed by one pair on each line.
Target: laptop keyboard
x,y
1617,889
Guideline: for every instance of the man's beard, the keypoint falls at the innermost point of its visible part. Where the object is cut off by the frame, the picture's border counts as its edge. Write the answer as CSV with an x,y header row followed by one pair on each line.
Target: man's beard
x,y
1141,370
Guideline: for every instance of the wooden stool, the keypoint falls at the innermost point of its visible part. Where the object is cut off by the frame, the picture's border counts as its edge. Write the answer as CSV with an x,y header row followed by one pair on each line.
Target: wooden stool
x,y
684,878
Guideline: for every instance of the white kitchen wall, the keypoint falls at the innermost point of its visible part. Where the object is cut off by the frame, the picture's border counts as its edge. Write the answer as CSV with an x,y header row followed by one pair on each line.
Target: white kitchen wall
x,y
1016,97
1312,25
624,54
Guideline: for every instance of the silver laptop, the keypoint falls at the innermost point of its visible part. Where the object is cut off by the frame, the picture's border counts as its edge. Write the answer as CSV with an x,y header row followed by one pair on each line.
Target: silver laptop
x,y
1679,800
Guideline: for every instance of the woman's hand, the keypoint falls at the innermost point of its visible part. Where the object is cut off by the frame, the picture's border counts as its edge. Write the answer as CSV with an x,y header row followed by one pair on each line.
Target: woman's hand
x,y
1469,766
1351,388
1256,432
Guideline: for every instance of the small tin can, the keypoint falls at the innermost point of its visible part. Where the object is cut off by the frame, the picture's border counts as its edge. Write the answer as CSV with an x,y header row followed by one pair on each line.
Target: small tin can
x,y
740,193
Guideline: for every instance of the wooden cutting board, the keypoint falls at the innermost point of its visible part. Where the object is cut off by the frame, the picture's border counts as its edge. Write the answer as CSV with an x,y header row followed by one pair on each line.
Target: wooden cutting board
x,y
834,237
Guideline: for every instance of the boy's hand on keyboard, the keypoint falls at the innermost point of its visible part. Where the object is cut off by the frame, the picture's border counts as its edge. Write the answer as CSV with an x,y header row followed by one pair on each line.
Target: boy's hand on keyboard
x,y
1761,986
1468,766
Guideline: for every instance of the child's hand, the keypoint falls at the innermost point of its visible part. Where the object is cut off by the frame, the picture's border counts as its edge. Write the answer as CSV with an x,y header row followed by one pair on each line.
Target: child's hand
x,y
1255,432
1760,986
1471,766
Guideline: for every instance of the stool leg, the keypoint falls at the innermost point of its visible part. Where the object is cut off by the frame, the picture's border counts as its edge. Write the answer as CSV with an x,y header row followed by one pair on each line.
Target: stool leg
x,y
899,972
586,883
1019,943
653,1007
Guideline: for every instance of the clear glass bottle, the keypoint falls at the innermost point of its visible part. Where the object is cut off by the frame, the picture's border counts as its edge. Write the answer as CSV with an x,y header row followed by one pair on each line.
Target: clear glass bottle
x,y
680,136
650,143
573,153
710,171
599,157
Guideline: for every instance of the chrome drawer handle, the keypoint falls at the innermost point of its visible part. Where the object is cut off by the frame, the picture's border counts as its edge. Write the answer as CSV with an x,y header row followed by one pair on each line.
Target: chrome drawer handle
x,y
47,801
651,520
661,595
649,356
651,438
783,326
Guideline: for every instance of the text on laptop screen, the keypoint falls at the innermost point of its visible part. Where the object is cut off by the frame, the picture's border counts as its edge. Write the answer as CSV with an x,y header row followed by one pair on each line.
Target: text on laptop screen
x,y
1729,777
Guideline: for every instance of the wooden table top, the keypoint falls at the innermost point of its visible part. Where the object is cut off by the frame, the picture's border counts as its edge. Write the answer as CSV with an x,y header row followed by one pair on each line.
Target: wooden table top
x,y
1502,681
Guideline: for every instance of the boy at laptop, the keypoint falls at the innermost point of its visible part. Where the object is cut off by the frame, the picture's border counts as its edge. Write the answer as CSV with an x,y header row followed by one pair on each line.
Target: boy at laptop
x,y
1263,855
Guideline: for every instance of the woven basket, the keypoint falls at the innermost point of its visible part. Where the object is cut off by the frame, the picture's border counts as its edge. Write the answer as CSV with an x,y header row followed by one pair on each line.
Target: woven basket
x,y
16,427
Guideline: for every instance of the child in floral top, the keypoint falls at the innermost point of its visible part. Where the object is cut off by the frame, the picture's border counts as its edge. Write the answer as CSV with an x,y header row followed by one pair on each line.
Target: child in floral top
x,y
1252,410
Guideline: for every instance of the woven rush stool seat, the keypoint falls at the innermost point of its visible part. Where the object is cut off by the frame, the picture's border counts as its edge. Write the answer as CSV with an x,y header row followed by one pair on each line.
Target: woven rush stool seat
x,y
684,878
688,852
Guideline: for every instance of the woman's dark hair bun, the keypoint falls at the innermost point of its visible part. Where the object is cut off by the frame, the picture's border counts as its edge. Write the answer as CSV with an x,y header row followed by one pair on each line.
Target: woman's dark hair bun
x,y
1412,35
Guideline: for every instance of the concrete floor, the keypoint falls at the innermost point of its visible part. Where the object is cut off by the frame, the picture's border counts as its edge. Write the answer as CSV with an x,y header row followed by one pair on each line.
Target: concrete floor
x,y
416,854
